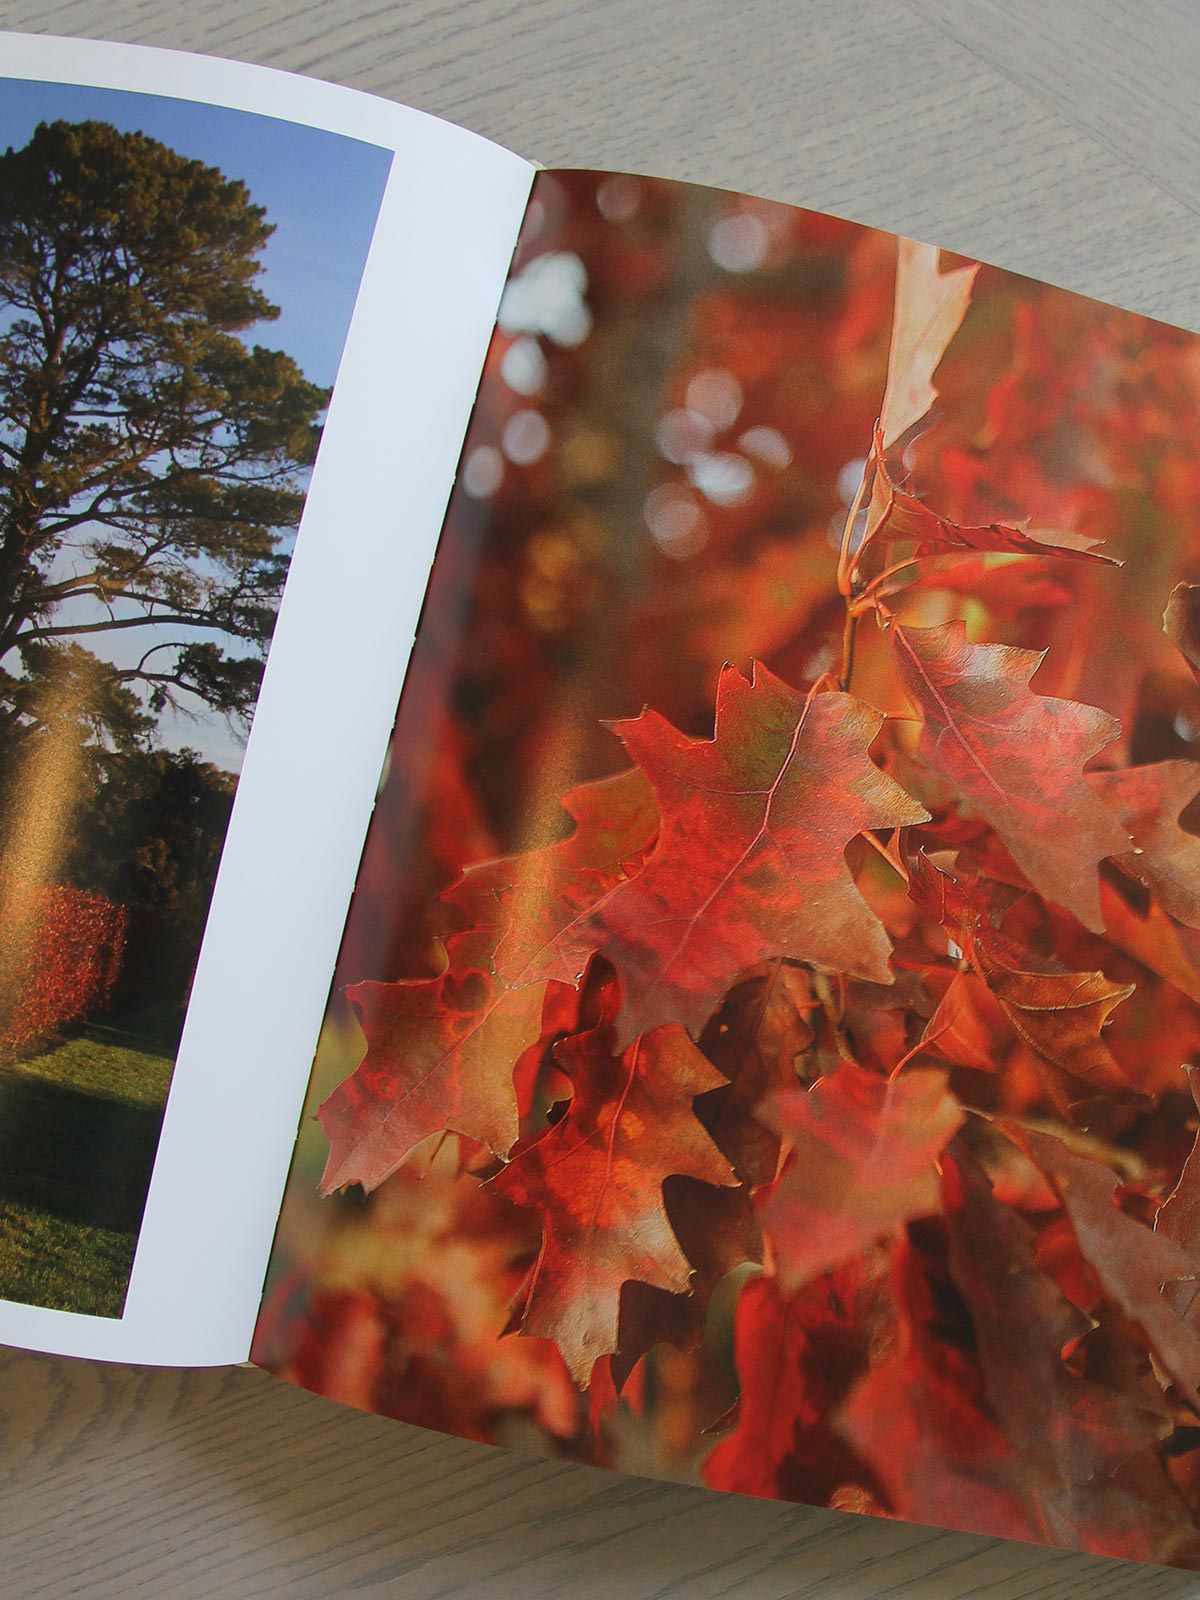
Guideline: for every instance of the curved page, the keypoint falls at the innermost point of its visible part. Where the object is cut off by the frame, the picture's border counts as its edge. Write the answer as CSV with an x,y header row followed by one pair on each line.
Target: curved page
x,y
242,320
759,1048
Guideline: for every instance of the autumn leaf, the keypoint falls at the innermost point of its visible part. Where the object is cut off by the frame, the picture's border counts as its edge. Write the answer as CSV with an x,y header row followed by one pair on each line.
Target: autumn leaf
x,y
959,902
864,1163
797,1358
533,896
1147,802
749,863
920,1420
1060,1016
1181,622
440,1055
1089,1468
1149,935
596,1178
1008,587
718,1233
968,1025
894,515
929,308
441,1052
1016,756
1135,1266
756,1039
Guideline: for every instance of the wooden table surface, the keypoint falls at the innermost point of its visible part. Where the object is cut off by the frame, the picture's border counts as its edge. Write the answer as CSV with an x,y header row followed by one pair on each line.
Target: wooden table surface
x,y
1060,137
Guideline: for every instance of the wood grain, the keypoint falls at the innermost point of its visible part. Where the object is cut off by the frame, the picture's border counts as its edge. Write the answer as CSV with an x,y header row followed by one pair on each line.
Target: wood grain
x,y
1059,137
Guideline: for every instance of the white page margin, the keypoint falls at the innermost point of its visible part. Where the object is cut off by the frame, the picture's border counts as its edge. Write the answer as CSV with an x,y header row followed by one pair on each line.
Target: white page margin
x,y
404,393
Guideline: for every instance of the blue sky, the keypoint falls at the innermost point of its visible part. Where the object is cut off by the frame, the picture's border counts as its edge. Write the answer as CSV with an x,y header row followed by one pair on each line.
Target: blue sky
x,y
321,190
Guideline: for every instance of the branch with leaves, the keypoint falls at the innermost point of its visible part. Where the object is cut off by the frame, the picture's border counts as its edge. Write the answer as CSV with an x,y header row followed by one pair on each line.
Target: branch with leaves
x,y
152,463
832,1001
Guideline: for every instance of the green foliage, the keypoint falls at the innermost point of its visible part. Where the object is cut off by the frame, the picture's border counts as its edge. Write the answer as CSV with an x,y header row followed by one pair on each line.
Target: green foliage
x,y
149,460
79,1126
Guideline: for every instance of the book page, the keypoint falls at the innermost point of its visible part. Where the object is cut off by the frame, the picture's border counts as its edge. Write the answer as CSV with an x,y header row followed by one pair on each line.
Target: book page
x,y
763,1045
242,320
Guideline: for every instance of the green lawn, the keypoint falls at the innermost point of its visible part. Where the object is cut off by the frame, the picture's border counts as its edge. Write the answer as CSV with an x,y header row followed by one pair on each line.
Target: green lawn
x,y
79,1125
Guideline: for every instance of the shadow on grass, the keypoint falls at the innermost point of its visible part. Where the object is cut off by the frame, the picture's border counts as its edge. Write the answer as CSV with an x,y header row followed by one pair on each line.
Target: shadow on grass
x,y
75,1155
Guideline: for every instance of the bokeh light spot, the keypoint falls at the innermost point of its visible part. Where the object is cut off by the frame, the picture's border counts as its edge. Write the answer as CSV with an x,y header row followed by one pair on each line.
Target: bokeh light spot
x,y
676,522
526,437
523,366
483,472
738,243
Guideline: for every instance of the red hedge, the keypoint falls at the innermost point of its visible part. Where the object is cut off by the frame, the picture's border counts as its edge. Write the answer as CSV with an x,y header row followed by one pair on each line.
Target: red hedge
x,y
61,953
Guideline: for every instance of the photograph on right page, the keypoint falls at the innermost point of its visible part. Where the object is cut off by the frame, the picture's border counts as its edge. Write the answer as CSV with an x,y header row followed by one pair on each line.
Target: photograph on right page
x,y
763,1049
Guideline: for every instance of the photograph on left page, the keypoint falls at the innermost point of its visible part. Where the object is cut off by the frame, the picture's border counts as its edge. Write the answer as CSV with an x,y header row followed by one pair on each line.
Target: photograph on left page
x,y
176,286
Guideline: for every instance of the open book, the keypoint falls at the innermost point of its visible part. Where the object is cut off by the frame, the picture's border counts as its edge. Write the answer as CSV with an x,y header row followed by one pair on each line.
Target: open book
x,y
600,810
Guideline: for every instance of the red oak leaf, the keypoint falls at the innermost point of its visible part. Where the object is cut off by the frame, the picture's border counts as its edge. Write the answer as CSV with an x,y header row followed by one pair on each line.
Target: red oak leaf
x,y
964,904
1016,756
1006,586
894,515
441,1051
1089,1472
440,1055
757,1040
1151,937
1138,1269
750,858
1147,801
968,1026
1060,1016
797,1358
597,1179
717,1232
865,1151
920,1420
533,896
929,308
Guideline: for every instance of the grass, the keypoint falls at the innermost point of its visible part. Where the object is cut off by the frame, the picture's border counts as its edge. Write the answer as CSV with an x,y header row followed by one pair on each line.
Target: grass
x,y
79,1127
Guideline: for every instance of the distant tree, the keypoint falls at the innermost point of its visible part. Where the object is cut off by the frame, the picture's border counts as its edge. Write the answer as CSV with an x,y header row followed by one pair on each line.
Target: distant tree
x,y
149,835
151,464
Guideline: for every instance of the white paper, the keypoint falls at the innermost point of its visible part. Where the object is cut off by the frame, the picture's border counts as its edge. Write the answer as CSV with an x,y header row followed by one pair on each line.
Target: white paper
x,y
445,235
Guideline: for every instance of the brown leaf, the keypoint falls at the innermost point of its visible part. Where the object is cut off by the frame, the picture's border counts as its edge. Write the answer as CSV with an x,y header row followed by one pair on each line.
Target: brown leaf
x,y
1088,1467
894,515
1060,1016
1136,1267
756,1039
717,1232
929,308
968,1027
1018,757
